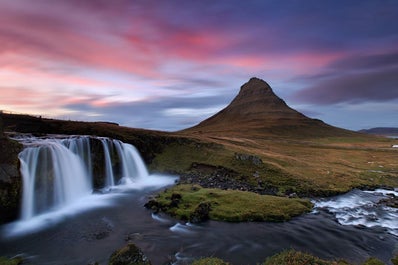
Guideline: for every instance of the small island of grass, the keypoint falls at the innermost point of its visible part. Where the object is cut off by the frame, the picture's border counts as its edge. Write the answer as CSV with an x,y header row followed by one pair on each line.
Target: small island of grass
x,y
194,203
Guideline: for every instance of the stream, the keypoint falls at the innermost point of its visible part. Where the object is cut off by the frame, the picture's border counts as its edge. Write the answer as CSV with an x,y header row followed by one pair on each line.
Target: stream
x,y
92,235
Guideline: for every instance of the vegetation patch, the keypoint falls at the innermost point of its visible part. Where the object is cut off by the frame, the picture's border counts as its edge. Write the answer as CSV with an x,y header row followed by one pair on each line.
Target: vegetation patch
x,y
210,261
293,257
195,204
14,261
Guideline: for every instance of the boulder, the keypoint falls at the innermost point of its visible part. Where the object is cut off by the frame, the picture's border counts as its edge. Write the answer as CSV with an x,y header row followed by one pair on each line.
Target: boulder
x,y
201,213
129,255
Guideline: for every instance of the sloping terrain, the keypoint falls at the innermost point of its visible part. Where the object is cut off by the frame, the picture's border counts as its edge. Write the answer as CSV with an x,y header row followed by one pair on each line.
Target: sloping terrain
x,y
256,112
256,143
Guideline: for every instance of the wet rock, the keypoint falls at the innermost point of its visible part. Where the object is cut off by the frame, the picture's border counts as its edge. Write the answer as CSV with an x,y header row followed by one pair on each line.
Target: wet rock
x,y
390,202
153,205
97,230
132,236
201,213
175,199
129,255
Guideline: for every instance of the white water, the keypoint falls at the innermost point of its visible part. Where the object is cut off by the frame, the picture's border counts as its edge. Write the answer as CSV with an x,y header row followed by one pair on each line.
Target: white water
x,y
58,178
361,208
110,179
53,176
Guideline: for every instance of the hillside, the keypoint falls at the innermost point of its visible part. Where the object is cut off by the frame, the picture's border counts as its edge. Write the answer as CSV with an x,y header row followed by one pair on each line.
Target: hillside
x,y
383,131
257,143
257,112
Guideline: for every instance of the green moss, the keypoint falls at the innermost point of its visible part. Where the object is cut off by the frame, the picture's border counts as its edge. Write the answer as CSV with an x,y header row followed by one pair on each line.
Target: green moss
x,y
14,261
210,261
128,255
373,261
293,257
395,260
183,201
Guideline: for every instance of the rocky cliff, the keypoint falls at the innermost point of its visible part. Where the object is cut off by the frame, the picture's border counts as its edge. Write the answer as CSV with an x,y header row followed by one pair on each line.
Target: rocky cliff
x,y
10,179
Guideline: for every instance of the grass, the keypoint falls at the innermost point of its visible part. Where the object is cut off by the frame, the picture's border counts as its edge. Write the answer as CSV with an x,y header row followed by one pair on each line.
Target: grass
x,y
310,165
183,202
209,261
292,257
14,261
314,167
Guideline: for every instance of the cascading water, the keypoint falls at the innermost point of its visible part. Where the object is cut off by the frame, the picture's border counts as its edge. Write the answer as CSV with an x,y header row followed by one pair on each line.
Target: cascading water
x,y
109,177
53,176
132,167
60,172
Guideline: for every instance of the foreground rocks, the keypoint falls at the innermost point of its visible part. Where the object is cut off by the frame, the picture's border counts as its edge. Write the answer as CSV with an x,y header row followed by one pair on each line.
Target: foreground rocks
x,y
129,255
209,176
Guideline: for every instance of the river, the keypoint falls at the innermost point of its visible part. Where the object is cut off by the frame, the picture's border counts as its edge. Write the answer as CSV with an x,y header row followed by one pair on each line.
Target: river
x,y
92,235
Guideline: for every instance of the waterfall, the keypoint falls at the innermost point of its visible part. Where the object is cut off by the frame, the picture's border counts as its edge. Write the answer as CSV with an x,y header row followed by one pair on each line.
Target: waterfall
x,y
53,176
57,172
109,177
132,166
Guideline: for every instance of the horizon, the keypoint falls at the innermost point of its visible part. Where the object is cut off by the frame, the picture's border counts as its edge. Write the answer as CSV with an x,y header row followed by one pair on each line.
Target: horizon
x,y
169,65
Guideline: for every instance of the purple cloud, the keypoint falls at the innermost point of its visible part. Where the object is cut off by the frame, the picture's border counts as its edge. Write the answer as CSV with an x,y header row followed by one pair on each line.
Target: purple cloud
x,y
354,79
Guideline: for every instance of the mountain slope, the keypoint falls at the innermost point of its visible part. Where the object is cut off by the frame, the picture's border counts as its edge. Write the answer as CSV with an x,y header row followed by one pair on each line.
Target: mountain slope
x,y
386,131
257,111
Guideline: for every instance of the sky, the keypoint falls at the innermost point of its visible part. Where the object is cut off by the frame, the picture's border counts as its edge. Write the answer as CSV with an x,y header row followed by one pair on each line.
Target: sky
x,y
167,65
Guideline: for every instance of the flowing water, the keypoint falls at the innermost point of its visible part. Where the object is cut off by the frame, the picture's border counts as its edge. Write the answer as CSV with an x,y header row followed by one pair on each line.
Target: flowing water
x,y
81,227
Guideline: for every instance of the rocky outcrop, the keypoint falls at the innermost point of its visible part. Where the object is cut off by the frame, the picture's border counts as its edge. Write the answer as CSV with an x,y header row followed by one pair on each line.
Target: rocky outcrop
x,y
10,178
129,255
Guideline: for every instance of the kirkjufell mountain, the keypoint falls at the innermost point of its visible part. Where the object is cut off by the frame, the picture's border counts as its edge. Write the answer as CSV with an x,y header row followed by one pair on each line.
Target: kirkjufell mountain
x,y
257,111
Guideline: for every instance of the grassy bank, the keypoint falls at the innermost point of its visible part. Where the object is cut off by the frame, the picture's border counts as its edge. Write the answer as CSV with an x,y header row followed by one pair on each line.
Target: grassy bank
x,y
194,203
306,165
293,257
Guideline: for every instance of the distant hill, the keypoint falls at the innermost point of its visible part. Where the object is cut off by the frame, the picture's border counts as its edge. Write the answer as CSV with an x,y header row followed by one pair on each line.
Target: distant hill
x,y
257,111
385,131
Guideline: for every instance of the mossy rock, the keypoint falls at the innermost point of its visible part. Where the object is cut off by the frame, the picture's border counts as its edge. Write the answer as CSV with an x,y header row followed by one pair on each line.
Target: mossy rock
x,y
129,255
373,261
293,257
395,260
14,261
210,261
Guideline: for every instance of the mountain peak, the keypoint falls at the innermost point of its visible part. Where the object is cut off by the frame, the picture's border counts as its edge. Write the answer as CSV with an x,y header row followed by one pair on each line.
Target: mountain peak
x,y
258,110
255,83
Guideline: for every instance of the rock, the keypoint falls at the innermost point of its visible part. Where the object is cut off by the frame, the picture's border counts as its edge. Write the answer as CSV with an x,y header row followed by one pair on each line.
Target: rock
x,y
10,180
390,202
175,199
153,205
133,236
252,158
129,255
201,213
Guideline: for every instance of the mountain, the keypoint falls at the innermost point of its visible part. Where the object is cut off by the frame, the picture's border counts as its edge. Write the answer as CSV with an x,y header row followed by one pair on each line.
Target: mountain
x,y
385,131
257,111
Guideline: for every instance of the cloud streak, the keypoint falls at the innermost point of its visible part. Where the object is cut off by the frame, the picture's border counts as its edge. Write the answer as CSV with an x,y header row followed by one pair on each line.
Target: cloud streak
x,y
356,79
108,58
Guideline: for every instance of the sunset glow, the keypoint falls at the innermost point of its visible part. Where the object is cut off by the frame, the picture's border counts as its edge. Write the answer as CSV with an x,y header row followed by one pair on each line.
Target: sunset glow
x,y
151,64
